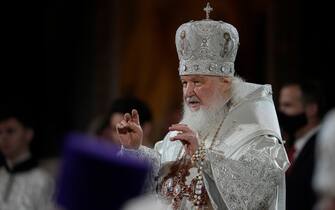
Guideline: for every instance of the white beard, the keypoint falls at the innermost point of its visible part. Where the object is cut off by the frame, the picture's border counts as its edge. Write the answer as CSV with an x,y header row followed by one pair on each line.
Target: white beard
x,y
204,120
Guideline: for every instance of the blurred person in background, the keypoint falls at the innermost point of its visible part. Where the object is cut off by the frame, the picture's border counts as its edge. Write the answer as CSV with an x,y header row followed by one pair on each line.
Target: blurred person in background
x,y
300,112
23,184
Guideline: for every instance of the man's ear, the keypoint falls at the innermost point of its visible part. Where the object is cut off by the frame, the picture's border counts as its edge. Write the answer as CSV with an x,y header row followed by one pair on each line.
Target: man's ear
x,y
147,128
29,134
312,110
226,81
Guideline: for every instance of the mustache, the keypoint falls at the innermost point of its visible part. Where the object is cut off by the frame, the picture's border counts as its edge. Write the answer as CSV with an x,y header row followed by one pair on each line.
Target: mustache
x,y
192,99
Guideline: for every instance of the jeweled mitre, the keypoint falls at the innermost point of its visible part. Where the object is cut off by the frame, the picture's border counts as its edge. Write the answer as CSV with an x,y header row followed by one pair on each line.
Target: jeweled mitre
x,y
207,47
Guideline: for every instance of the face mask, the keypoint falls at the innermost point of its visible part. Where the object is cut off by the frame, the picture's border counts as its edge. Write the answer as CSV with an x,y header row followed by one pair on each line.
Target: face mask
x,y
291,123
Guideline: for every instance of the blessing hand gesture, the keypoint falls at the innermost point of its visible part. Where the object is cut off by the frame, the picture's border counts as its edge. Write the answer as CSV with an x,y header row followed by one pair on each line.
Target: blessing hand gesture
x,y
129,130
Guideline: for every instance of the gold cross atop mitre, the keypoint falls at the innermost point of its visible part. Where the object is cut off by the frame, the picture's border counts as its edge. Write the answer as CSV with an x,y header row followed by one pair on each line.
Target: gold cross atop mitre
x,y
208,10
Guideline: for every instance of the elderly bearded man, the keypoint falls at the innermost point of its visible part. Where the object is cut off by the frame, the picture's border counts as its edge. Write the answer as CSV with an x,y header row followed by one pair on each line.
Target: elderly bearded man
x,y
227,151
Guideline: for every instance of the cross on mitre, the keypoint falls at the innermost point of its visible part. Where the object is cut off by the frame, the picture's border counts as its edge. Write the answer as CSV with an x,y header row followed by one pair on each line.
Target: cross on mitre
x,y
208,10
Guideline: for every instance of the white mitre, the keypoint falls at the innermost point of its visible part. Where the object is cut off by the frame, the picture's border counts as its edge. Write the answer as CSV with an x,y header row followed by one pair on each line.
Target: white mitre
x,y
207,47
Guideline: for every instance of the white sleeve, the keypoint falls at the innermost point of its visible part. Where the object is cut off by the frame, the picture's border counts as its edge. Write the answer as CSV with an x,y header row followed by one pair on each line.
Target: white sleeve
x,y
149,155
46,190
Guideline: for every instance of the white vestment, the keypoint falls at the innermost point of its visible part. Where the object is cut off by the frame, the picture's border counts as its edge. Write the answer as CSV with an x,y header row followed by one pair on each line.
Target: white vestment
x,y
245,167
28,190
324,177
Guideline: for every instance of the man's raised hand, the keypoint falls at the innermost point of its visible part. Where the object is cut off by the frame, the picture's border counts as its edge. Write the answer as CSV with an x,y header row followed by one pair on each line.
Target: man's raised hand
x,y
129,130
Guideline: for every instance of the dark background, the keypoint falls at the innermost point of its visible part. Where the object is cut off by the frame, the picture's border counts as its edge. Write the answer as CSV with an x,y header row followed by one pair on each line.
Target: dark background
x,y
65,61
